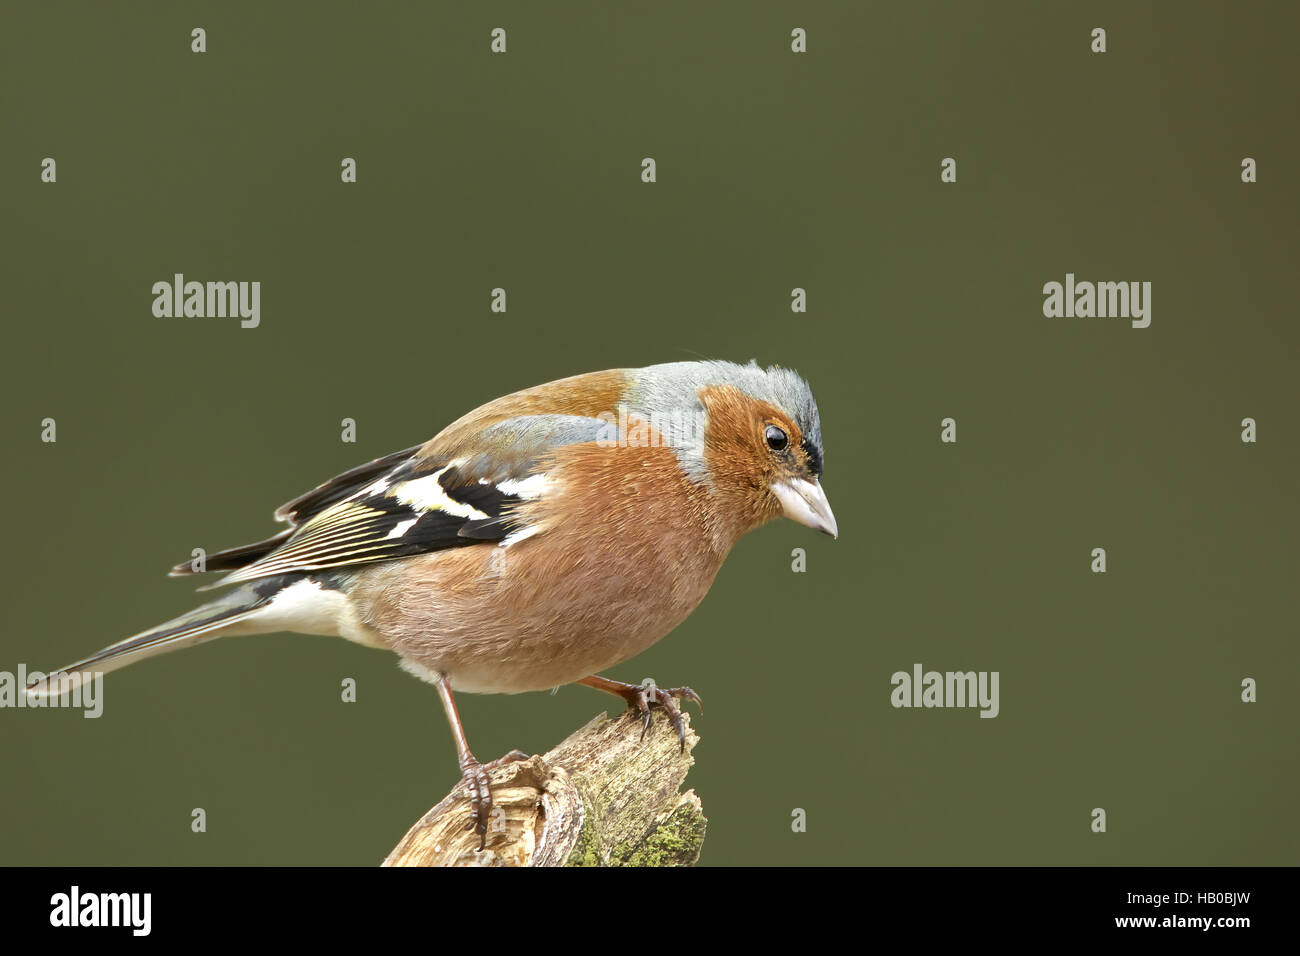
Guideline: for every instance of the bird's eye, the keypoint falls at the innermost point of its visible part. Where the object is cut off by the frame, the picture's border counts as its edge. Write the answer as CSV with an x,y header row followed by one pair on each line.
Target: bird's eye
x,y
776,438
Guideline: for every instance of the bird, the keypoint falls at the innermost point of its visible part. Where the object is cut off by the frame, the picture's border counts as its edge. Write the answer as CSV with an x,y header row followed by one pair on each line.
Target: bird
x,y
536,541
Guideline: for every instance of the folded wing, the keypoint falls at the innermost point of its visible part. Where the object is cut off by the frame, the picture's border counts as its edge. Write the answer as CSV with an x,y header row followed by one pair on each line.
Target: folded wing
x,y
415,501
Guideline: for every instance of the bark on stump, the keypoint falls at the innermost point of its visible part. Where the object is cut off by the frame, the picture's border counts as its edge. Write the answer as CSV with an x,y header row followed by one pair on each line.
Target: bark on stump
x,y
603,797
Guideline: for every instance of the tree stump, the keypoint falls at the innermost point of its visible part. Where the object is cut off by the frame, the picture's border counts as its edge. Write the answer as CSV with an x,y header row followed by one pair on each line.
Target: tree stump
x,y
603,797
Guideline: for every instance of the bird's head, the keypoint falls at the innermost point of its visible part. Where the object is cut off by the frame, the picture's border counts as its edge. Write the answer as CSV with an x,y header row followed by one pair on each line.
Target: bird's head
x,y
756,442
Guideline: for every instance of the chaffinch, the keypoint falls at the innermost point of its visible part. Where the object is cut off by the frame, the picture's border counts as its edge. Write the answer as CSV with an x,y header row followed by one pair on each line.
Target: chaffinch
x,y
537,540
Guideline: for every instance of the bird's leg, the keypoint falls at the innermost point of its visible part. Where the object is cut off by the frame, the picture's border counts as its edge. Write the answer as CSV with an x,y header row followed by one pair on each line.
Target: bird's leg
x,y
640,696
473,774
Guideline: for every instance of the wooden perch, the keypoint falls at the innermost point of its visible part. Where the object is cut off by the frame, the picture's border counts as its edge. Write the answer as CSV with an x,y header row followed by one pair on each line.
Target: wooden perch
x,y
603,797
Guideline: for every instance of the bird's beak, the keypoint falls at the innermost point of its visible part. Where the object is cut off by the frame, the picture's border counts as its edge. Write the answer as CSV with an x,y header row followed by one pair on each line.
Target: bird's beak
x,y
805,502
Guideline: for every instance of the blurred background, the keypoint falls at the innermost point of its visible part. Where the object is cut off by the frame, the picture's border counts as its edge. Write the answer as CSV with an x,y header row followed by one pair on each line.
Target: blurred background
x,y
775,170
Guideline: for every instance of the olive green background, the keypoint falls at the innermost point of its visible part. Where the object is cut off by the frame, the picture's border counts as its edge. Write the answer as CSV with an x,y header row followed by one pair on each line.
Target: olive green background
x,y
775,170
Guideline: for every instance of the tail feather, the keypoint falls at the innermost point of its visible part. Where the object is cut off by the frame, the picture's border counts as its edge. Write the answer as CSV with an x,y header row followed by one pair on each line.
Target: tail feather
x,y
232,559
217,618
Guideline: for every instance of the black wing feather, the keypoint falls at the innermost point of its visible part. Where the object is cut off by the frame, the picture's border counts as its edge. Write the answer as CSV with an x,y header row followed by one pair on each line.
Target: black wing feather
x,y
390,521
391,507
302,508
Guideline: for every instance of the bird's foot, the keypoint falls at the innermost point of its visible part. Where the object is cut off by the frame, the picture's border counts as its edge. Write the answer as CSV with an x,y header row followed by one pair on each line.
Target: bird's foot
x,y
474,776
641,697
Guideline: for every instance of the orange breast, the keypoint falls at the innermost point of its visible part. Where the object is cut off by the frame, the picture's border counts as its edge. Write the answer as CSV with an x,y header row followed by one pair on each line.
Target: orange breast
x,y
627,552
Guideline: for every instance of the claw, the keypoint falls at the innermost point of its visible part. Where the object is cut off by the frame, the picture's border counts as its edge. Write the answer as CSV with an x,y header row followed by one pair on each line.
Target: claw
x,y
474,776
687,694
480,798
641,696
